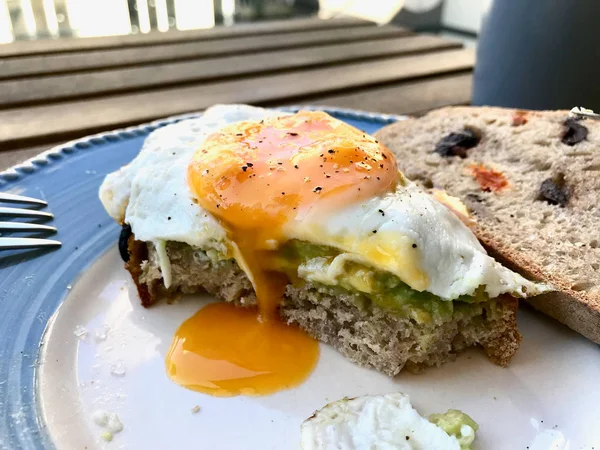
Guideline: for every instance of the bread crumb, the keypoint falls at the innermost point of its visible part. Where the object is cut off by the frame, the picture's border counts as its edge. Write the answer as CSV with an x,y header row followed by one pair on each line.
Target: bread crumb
x,y
114,424
100,418
195,409
101,333
80,332
118,369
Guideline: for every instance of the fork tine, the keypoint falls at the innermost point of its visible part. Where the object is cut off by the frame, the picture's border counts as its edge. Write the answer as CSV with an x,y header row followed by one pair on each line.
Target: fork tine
x,y
19,212
29,227
7,243
5,197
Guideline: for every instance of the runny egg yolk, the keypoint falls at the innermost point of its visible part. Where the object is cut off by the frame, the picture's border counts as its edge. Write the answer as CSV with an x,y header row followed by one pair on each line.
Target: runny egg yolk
x,y
224,350
255,177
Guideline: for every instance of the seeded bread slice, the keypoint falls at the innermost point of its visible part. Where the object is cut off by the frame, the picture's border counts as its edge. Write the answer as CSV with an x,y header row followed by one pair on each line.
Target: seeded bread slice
x,y
531,181
365,334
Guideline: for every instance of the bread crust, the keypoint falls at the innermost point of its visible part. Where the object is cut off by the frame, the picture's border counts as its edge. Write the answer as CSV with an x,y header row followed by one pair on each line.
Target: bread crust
x,y
138,253
575,309
528,146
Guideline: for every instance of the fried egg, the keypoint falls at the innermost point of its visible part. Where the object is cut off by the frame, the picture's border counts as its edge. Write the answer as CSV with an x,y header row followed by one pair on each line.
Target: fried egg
x,y
364,207
243,181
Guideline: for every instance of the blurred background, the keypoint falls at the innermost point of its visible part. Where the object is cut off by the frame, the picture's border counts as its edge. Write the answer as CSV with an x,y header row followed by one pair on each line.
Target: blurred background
x,y
531,54
48,19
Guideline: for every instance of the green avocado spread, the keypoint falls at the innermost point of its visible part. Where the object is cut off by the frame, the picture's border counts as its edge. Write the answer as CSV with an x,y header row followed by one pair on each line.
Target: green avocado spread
x,y
318,264
458,424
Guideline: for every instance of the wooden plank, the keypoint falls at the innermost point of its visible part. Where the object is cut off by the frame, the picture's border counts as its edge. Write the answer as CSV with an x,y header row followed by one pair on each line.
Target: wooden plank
x,y
156,37
76,117
406,98
56,87
411,98
117,57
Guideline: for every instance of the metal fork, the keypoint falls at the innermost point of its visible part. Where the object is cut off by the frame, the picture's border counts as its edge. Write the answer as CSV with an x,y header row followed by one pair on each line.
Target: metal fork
x,y
14,243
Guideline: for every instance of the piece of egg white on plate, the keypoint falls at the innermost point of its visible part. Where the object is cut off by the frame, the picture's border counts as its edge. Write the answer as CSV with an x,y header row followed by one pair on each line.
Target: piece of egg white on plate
x,y
382,422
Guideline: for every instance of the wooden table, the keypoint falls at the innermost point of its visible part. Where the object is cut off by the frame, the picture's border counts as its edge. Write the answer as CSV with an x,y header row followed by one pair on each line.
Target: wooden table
x,y
56,90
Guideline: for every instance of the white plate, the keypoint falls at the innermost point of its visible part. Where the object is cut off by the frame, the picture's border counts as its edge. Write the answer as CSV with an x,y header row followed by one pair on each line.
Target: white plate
x,y
547,399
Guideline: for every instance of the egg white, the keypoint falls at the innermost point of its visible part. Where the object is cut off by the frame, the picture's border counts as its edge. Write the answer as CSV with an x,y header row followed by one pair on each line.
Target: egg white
x,y
426,245
373,422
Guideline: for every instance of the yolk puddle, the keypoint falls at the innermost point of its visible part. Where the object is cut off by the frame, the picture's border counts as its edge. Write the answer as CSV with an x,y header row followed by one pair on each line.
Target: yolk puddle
x,y
224,350
254,177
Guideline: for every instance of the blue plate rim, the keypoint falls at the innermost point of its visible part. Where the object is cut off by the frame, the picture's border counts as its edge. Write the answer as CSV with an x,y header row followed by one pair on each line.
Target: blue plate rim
x,y
56,153
28,429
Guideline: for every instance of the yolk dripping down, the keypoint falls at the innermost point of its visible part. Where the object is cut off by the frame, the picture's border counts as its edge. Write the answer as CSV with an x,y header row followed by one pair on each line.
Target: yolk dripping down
x,y
254,177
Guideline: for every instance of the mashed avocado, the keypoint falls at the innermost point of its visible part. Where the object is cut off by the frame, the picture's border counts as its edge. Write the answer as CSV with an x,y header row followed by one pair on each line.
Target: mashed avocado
x,y
326,265
458,424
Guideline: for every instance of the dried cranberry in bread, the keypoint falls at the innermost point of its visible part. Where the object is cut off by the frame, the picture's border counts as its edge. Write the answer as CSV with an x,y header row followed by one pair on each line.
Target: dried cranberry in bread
x,y
531,181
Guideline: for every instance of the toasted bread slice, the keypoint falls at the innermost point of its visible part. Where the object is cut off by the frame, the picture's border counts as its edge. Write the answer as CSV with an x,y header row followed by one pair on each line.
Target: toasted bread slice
x,y
361,331
531,181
